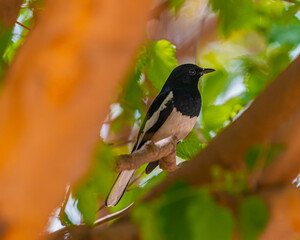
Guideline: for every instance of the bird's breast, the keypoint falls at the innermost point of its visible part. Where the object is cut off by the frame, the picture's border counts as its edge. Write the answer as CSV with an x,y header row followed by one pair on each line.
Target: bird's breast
x,y
177,124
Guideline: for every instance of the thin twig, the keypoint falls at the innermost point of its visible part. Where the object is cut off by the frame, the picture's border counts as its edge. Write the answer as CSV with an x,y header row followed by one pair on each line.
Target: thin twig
x,y
112,216
23,26
101,207
66,231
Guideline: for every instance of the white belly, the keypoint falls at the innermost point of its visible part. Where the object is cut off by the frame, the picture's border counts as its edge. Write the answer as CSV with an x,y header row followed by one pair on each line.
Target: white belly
x,y
176,125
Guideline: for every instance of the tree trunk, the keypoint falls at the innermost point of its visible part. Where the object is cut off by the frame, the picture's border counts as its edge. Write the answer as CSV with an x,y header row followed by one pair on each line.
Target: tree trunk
x,y
56,96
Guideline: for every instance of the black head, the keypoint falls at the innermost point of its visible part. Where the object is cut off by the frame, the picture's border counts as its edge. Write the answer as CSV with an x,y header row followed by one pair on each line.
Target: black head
x,y
186,75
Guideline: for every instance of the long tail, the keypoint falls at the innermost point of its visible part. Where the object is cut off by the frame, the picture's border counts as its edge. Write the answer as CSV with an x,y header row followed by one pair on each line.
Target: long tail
x,y
119,188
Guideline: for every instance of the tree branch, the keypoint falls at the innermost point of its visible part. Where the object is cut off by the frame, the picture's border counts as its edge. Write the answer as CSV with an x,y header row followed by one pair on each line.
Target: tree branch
x,y
163,150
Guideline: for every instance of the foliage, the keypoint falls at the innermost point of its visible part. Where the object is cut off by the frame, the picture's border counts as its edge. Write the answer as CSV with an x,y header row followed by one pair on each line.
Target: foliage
x,y
154,61
175,4
184,213
248,57
262,155
94,185
253,217
230,182
12,38
162,62
5,36
187,213
189,147
229,14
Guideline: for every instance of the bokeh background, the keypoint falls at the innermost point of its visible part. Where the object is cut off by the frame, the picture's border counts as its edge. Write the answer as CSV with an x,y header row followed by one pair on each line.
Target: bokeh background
x,y
76,81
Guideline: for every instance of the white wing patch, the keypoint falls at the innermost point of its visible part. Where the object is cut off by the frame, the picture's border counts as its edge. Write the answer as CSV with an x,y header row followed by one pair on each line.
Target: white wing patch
x,y
151,121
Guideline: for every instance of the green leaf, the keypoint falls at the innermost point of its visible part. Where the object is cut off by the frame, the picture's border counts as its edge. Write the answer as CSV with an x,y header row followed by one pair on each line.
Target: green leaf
x,y
213,85
188,148
5,37
252,156
287,33
253,217
256,74
232,17
176,203
175,4
215,116
11,40
278,60
162,62
87,203
184,213
265,153
231,182
145,216
208,220
274,152
97,183
65,220
132,93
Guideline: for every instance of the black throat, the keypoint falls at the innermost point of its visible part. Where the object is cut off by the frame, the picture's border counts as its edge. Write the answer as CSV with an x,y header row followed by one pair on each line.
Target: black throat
x,y
187,101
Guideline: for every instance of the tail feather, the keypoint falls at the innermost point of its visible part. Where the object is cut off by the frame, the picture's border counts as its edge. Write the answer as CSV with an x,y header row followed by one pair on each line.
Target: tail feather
x,y
151,166
119,188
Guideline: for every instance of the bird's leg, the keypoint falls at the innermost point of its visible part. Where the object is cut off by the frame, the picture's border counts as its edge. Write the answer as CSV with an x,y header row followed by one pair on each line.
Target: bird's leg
x,y
168,163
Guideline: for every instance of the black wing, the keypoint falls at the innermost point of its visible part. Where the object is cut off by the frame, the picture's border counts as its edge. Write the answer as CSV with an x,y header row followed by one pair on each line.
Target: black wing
x,y
157,114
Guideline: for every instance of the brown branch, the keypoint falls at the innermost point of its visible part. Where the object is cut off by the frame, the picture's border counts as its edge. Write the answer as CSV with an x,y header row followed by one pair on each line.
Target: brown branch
x,y
151,152
287,165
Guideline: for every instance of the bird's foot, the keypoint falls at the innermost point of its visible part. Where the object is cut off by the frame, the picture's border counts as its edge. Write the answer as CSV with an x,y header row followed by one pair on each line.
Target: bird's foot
x,y
168,163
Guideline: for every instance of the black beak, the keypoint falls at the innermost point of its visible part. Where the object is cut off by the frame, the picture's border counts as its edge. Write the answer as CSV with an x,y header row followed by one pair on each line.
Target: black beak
x,y
207,70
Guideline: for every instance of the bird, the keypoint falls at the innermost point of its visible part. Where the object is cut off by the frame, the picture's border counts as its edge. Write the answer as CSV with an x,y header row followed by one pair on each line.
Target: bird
x,y
173,112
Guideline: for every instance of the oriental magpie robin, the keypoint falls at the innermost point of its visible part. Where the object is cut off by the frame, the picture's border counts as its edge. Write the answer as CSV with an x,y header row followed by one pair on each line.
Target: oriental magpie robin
x,y
173,113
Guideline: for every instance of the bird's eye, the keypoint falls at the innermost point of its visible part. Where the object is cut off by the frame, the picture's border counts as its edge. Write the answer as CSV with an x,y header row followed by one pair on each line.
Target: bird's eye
x,y
192,72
